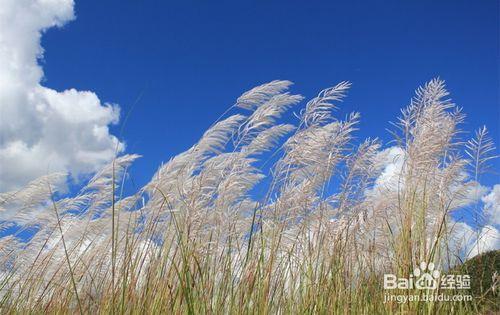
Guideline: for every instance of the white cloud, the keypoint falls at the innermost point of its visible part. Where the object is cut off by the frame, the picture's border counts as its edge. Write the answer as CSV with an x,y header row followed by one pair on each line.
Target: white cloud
x,y
390,163
43,130
475,192
487,239
492,205
474,242
465,239
467,193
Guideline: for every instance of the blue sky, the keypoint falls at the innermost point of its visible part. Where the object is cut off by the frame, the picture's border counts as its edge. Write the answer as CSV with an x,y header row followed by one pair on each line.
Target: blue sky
x,y
191,59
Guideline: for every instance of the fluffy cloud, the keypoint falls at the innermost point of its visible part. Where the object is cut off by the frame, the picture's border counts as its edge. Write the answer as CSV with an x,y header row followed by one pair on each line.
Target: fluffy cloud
x,y
492,205
469,241
474,242
390,161
487,239
43,130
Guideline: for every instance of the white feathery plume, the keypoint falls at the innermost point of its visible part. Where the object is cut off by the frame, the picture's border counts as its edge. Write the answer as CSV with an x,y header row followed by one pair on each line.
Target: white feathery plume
x,y
266,116
34,193
215,139
480,150
253,98
314,151
318,110
267,139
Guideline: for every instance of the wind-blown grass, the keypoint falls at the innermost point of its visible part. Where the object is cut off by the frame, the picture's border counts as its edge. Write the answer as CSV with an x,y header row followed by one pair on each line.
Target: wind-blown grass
x,y
337,214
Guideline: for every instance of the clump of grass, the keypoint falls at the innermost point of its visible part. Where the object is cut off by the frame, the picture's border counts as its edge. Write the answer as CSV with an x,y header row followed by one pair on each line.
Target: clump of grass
x,y
199,238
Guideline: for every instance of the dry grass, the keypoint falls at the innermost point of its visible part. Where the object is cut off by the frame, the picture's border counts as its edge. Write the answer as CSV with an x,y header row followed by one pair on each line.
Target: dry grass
x,y
199,239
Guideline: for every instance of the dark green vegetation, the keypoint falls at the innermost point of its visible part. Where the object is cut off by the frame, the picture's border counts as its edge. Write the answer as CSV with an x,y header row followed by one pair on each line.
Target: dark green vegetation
x,y
484,271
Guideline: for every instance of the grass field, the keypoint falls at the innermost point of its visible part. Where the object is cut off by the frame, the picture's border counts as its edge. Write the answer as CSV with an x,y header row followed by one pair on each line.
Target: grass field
x,y
260,217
